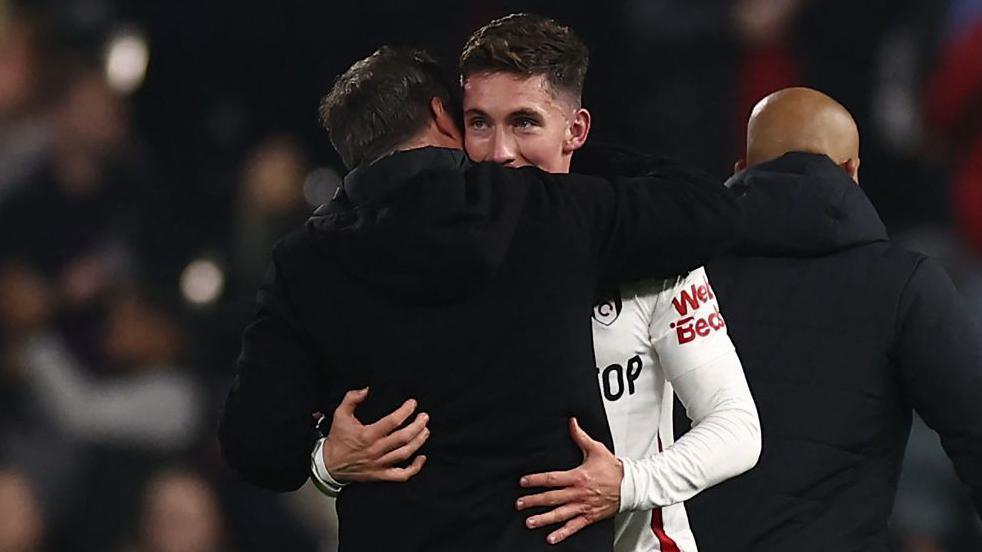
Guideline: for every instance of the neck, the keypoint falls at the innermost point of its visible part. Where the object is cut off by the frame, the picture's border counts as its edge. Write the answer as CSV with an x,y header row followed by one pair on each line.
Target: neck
x,y
567,161
429,137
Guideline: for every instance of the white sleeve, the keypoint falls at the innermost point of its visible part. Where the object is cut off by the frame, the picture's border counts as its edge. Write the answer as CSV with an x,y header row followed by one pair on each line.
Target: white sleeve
x,y
158,412
703,367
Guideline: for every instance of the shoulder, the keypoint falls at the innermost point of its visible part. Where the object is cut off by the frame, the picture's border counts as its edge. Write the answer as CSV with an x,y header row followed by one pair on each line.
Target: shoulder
x,y
293,248
902,273
651,289
659,296
297,266
925,276
898,257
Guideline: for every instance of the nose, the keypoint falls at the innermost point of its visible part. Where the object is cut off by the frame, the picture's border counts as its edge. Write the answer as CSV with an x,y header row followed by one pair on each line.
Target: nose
x,y
503,148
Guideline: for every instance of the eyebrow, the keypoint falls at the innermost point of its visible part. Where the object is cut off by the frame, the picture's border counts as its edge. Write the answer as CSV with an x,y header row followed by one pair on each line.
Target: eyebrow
x,y
529,113
523,112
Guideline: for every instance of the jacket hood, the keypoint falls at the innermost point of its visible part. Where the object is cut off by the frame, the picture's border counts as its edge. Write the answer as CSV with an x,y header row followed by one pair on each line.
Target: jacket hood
x,y
410,227
802,204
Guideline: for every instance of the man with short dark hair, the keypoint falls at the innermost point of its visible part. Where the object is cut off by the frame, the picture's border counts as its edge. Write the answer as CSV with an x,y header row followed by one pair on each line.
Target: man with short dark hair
x,y
842,334
367,107
465,287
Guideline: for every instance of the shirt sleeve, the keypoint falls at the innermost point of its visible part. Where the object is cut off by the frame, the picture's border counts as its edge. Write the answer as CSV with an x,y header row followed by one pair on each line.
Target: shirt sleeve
x,y
703,367
322,478
687,329
267,430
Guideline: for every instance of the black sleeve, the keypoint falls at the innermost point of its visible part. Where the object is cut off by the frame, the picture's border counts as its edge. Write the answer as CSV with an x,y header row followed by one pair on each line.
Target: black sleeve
x,y
662,221
604,159
939,352
267,431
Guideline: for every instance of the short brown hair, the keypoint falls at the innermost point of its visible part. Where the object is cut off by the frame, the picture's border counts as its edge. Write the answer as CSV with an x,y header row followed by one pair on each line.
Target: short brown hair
x,y
529,45
382,101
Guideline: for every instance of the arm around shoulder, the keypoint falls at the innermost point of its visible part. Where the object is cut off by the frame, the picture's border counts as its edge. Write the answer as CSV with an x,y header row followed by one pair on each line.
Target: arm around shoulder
x,y
661,223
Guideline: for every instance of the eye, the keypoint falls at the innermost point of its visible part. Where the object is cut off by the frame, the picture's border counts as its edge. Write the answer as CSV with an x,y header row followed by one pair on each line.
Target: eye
x,y
524,122
478,123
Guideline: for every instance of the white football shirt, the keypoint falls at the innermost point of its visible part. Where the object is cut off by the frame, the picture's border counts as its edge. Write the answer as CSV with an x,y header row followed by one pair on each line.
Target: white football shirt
x,y
647,336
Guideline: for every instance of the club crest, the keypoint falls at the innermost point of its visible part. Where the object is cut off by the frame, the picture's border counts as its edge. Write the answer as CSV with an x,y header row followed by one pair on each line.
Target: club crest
x,y
607,311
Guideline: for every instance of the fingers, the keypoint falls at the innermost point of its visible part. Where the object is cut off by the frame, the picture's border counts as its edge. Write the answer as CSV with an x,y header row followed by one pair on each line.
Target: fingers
x,y
406,451
551,479
405,435
351,401
549,498
558,515
572,526
393,420
401,475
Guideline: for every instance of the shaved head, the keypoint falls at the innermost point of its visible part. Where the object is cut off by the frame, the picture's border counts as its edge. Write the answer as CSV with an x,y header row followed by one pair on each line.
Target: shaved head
x,y
806,120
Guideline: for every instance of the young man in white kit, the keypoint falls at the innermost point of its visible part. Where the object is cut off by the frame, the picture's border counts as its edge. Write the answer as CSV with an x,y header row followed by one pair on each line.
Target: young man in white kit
x,y
523,78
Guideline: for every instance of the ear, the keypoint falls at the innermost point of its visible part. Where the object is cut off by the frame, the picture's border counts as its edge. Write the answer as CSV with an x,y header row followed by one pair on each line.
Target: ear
x,y
851,166
445,122
579,130
739,165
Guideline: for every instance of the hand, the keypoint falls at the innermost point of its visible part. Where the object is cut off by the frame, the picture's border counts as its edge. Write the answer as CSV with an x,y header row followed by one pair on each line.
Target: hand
x,y
585,495
357,452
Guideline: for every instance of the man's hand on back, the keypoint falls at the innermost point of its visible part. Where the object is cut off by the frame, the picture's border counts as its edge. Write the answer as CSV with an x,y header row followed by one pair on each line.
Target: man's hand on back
x,y
357,452
584,495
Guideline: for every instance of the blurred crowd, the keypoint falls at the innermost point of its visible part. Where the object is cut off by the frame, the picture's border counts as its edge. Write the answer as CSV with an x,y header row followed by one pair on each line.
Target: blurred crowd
x,y
152,152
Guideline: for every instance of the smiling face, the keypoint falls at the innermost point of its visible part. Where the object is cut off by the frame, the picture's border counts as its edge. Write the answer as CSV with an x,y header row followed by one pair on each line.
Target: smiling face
x,y
517,121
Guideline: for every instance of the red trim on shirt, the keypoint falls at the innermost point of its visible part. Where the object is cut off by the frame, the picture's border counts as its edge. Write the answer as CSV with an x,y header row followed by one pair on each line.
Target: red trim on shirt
x,y
665,543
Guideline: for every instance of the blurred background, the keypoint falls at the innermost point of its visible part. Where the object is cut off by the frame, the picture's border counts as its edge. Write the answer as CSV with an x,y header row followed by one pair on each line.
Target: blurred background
x,y
152,152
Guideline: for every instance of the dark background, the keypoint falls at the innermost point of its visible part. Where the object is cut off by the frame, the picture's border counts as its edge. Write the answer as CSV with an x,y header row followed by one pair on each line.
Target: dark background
x,y
136,221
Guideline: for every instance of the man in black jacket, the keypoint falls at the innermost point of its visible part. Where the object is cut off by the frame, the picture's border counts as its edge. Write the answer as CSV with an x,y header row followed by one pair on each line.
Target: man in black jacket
x,y
466,287
841,334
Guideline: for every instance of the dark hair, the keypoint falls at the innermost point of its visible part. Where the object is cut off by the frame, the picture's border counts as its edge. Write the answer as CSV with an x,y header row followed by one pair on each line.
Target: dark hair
x,y
529,45
382,101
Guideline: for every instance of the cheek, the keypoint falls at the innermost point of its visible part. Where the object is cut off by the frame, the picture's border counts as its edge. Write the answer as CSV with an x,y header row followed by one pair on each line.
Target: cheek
x,y
544,151
477,147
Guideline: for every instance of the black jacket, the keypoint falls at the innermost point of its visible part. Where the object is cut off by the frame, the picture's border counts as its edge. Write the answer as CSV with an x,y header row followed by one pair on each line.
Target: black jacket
x,y
841,334
469,289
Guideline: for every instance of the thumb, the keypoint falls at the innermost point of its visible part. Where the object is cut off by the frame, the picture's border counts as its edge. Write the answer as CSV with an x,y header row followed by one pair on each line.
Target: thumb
x,y
351,401
580,437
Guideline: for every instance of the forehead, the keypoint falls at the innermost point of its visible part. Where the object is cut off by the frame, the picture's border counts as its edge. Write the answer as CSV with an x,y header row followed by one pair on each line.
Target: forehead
x,y
503,93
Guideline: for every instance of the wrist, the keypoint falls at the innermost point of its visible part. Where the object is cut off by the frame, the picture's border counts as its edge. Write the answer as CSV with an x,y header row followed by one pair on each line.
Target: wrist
x,y
627,487
620,481
322,476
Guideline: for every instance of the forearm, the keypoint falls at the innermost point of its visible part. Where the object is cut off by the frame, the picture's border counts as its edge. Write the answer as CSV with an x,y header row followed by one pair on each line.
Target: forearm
x,y
267,430
268,447
696,218
724,440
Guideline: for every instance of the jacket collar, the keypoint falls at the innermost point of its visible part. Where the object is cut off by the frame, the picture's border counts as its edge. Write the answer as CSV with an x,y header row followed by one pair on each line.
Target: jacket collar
x,y
373,183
